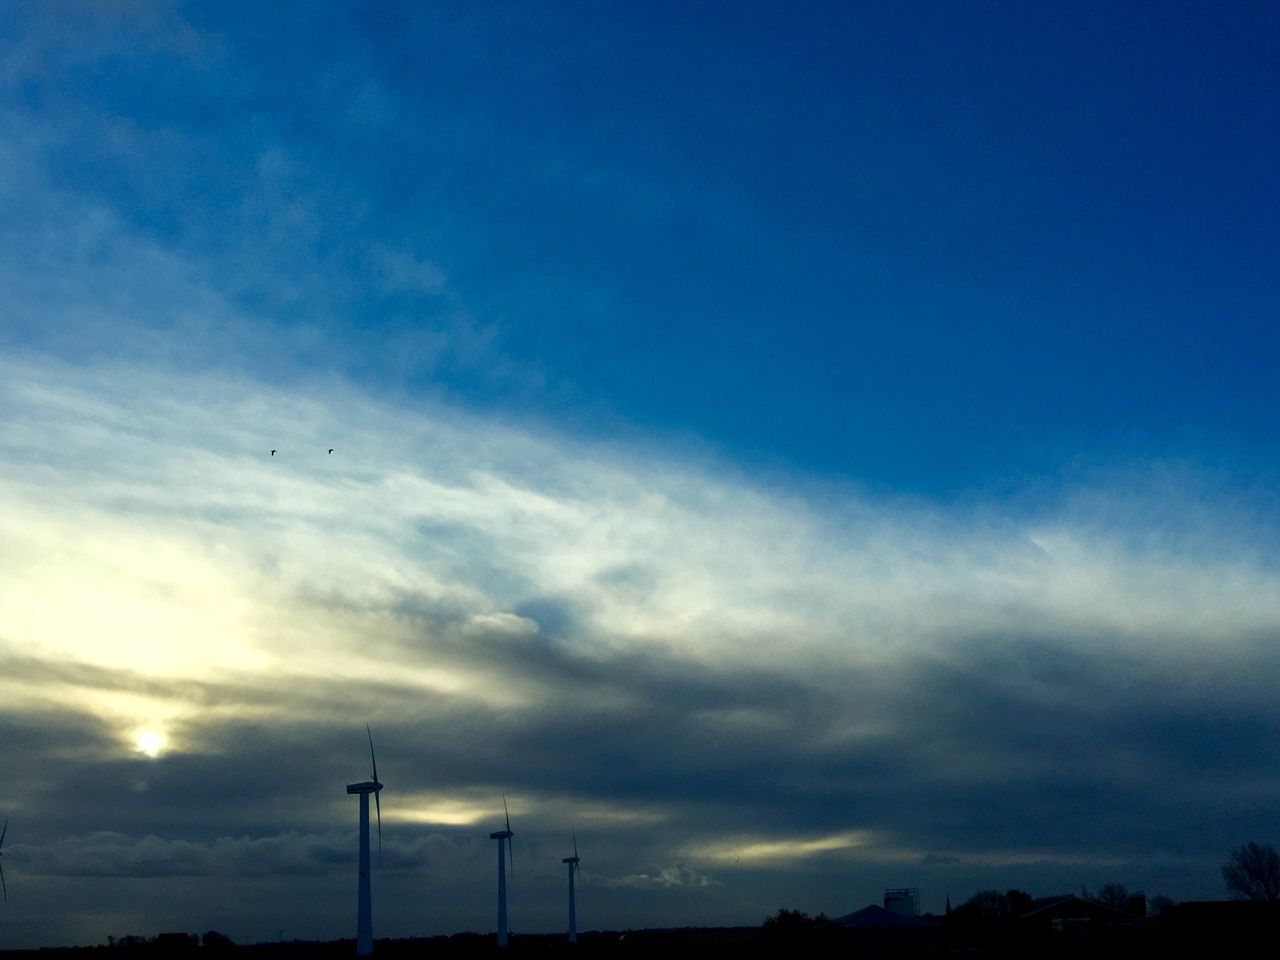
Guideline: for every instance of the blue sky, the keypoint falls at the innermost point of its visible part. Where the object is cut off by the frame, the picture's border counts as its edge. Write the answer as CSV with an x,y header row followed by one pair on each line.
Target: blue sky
x,y
931,248
704,362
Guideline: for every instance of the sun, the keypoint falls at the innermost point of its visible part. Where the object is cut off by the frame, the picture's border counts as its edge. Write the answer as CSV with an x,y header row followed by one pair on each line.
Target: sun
x,y
150,743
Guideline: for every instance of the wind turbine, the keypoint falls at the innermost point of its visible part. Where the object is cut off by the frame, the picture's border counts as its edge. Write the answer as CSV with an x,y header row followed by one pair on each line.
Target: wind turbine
x,y
364,907
2,883
573,868
504,851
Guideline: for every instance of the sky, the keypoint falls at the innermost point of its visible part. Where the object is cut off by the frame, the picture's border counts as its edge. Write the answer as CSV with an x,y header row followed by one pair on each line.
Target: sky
x,y
802,450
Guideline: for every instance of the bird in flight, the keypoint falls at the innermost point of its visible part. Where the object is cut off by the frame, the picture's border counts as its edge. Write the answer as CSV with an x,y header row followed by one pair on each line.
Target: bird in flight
x,y
273,453
331,449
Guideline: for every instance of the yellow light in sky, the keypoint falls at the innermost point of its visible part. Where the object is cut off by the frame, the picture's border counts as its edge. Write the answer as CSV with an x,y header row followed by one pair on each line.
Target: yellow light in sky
x,y
756,851
150,743
453,814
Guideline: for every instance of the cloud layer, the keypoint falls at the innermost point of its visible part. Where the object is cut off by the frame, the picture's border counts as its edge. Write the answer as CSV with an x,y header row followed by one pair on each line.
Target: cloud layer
x,y
754,694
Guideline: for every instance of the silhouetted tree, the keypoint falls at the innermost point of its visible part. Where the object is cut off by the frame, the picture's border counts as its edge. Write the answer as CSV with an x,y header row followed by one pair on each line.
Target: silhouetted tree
x,y
796,926
785,920
985,919
987,905
1114,895
1117,897
1253,872
1019,902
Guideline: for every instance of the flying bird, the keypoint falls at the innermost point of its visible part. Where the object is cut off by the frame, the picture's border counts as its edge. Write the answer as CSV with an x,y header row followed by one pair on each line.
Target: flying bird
x,y
273,453
331,449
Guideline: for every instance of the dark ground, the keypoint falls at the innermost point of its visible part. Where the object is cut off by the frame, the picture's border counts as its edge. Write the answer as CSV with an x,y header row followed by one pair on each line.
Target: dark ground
x,y
1189,938
694,942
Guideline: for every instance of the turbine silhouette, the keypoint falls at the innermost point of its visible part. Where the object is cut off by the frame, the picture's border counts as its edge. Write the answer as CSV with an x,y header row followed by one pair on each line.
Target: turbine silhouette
x,y
504,841
364,905
3,886
573,869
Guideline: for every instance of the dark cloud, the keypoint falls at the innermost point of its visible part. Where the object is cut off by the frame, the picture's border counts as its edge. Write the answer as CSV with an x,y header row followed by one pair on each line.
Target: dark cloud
x,y
956,761
1041,749
108,854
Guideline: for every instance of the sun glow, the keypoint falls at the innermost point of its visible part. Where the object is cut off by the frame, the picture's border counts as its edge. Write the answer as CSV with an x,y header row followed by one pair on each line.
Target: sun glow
x,y
150,743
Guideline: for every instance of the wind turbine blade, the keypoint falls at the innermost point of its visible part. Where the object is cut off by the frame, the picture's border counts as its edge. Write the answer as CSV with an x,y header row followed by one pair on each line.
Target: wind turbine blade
x,y
511,859
3,832
3,885
575,839
377,798
505,812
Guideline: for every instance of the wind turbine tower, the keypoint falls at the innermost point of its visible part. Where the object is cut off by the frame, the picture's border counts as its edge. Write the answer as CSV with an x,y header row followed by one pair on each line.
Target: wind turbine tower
x,y
2,883
364,903
504,851
573,868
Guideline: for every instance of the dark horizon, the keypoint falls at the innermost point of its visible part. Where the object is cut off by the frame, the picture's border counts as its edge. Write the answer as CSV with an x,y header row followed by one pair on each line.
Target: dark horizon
x,y
1114,924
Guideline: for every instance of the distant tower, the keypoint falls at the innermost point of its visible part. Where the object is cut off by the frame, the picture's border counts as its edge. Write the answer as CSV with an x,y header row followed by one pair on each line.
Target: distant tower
x,y
364,902
504,850
573,868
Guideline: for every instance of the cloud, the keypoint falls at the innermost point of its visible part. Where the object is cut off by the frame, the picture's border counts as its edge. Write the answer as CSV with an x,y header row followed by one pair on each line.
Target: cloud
x,y
126,239
110,854
665,879
756,850
107,854
688,668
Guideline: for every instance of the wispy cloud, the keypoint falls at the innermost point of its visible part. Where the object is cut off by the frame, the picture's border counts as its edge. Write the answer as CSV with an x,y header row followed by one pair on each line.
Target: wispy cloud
x,y
755,850
107,854
666,878
691,657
